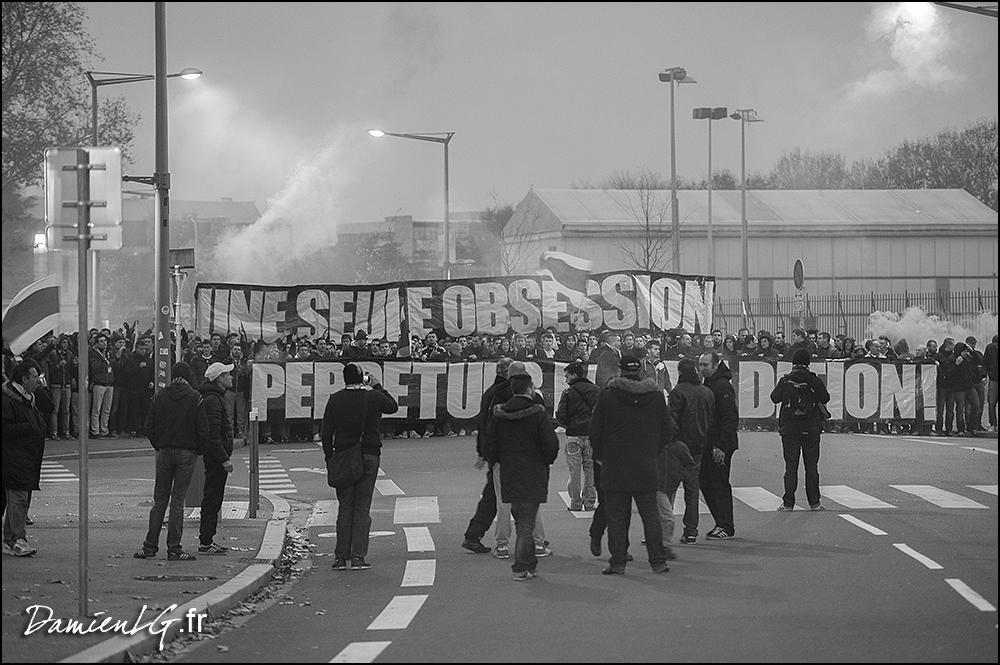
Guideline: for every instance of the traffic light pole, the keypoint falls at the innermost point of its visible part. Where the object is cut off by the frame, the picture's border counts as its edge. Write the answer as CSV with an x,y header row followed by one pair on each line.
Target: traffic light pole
x,y
161,240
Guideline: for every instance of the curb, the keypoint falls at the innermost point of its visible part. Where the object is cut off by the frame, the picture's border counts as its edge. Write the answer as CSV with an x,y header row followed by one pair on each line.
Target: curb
x,y
120,649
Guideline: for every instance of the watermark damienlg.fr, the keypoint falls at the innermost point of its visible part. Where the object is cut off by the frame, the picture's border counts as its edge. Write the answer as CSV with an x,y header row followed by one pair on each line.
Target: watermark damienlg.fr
x,y
41,619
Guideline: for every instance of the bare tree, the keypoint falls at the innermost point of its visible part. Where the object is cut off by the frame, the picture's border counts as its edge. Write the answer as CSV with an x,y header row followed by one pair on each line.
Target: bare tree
x,y
512,232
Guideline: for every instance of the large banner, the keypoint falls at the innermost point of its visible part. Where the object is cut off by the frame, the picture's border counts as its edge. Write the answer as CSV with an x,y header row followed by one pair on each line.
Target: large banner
x,y
626,300
860,390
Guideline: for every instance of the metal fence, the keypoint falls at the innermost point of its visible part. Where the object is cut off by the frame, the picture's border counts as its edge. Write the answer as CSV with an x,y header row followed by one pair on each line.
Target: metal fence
x,y
848,313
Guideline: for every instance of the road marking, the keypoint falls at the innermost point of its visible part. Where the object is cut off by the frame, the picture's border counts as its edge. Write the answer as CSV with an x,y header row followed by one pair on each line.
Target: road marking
x,y
388,488
679,504
417,510
273,477
579,514
936,443
864,525
304,469
398,613
851,498
981,450
966,592
906,549
381,472
757,498
231,510
418,539
989,489
419,572
324,513
939,497
53,472
360,652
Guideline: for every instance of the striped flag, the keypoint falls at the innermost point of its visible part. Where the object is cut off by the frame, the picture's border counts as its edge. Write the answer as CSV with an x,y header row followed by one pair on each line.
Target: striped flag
x,y
31,314
568,270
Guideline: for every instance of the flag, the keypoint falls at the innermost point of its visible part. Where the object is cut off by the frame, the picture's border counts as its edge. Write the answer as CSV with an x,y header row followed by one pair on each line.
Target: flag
x,y
570,271
32,313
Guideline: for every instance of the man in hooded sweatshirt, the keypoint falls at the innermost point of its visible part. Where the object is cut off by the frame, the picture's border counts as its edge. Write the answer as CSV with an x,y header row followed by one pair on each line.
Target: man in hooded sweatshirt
x,y
524,443
628,429
217,451
722,442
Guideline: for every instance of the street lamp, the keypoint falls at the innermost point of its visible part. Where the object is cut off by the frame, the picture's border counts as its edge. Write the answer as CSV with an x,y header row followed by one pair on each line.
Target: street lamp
x,y
673,75
710,114
114,78
744,116
435,137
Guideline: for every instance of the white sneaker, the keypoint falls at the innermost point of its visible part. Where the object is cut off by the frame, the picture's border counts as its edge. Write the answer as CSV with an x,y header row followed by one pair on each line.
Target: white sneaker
x,y
22,548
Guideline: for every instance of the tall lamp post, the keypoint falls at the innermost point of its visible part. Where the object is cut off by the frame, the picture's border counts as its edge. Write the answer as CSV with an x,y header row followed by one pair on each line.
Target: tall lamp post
x,y
674,75
744,116
434,137
114,78
710,114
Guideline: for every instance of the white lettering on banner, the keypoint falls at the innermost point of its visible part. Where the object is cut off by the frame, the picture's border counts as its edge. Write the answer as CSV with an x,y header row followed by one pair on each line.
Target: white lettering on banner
x,y
362,312
492,317
328,378
928,386
428,374
613,290
392,375
756,384
698,306
465,389
267,382
667,300
271,315
519,293
642,302
898,393
220,311
553,306
339,317
835,386
863,402
298,395
306,304
416,313
459,307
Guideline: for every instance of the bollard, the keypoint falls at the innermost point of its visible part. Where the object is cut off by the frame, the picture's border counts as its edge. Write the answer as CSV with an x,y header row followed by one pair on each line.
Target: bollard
x,y
254,436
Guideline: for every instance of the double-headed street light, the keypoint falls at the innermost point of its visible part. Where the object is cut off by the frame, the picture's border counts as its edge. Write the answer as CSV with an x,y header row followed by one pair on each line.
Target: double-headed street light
x,y
98,79
710,114
673,75
744,116
435,137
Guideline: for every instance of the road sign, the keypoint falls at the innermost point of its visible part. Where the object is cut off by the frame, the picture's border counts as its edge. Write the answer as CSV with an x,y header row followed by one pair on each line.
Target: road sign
x,y
798,274
102,237
799,303
61,186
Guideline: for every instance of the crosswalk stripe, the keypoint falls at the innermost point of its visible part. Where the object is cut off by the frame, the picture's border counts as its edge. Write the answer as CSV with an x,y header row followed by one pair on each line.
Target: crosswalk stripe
x,y
966,592
419,572
864,525
579,514
398,613
231,510
926,561
757,498
416,510
324,513
989,489
360,652
388,488
418,539
939,497
851,498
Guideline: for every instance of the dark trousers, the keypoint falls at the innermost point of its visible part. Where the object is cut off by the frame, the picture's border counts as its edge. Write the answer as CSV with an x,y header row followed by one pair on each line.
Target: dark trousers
x,y
174,467
692,482
486,510
808,446
955,401
524,514
15,519
211,500
354,518
718,493
132,411
619,512
942,401
600,520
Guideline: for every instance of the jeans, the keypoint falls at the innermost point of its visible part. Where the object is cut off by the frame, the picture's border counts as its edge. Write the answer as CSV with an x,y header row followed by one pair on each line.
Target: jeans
x,y
174,467
942,401
791,446
236,407
74,413
600,521
980,391
691,486
100,408
954,410
666,508
486,510
211,500
619,510
16,515
524,513
502,532
718,493
354,518
993,390
579,458
59,418
117,416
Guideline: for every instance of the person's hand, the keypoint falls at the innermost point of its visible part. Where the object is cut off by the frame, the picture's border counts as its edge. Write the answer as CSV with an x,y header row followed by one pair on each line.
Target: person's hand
x,y
227,466
718,456
480,464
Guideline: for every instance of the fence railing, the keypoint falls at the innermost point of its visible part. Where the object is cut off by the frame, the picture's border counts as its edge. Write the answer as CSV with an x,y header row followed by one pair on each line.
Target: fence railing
x,y
848,313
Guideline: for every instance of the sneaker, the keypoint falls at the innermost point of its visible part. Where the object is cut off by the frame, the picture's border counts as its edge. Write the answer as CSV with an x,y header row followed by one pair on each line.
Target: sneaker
x,y
143,553
29,522
180,556
360,564
575,507
661,568
475,546
718,533
7,551
461,432
22,548
589,507
816,507
340,563
688,538
613,570
427,435
501,552
522,575
214,548
629,557
783,508
670,553
541,549
413,434
595,546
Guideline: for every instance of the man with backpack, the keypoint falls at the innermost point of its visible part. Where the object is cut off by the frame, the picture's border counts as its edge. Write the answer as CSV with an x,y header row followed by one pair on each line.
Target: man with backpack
x,y
575,406
802,396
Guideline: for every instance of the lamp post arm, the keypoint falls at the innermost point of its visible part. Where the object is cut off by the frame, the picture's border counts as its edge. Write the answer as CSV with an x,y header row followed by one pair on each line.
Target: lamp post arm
x,y
438,137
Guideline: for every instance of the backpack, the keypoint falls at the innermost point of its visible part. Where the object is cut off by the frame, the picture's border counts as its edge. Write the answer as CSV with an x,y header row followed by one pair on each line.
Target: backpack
x,y
799,401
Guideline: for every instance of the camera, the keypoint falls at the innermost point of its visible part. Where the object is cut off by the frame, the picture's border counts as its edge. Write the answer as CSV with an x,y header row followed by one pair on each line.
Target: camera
x,y
367,379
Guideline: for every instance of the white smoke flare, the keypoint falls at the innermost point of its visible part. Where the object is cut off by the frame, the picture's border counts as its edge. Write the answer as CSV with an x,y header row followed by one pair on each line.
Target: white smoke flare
x,y
916,327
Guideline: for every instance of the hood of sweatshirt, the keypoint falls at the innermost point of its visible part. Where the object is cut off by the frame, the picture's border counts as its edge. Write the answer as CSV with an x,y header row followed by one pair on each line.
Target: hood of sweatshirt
x,y
517,407
633,391
178,391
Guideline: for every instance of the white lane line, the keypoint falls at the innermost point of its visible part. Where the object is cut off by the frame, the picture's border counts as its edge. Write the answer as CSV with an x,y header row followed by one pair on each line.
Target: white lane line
x,y
579,514
851,498
936,443
989,489
388,488
324,513
966,592
360,652
864,525
980,450
906,549
398,614
417,510
419,572
418,539
939,497
757,498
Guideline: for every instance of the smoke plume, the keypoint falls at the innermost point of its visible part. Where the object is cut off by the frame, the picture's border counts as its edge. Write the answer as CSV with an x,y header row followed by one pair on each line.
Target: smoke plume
x,y
916,327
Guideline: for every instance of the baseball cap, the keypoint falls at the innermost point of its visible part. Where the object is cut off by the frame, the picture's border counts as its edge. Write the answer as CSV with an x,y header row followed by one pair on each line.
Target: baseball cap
x,y
215,370
629,364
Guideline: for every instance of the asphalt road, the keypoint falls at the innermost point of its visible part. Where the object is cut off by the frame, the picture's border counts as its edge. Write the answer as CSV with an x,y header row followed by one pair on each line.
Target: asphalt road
x,y
849,584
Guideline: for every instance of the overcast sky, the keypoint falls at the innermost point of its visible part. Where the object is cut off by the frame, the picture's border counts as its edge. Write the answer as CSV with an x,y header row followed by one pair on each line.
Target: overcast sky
x,y
543,95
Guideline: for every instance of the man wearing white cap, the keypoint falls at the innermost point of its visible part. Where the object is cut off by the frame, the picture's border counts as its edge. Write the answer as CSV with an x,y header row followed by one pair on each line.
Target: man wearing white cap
x,y
218,448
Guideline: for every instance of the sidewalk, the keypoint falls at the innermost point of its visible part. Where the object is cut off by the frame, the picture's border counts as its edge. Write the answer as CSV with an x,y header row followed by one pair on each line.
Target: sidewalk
x,y
120,585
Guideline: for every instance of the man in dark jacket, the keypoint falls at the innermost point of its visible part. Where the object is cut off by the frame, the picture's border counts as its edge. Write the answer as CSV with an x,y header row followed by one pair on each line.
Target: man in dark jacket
x,y
606,357
176,426
353,416
217,451
800,427
486,509
629,428
990,369
24,427
799,341
691,406
524,444
963,377
721,445
576,404
136,383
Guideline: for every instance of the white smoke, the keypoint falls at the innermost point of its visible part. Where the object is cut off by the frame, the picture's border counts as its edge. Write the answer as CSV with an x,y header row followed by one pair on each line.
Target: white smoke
x,y
916,327
917,38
